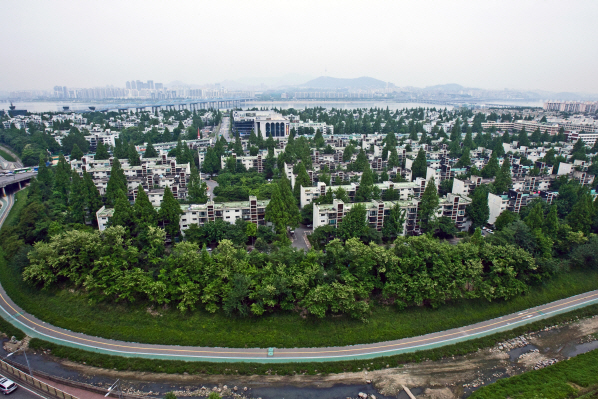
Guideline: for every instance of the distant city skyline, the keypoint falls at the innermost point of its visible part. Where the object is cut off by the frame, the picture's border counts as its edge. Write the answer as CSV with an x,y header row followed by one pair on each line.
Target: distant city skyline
x,y
521,45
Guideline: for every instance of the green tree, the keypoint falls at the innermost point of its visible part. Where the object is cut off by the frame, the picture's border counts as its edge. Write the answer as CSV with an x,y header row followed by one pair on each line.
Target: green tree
x,y
282,210
465,159
523,138
505,218
428,206
123,213
101,152
197,189
251,231
302,180
478,211
354,223
117,182
551,223
93,199
394,223
582,214
491,168
62,180
150,151
420,165
503,180
133,156
170,214
76,153
238,148
535,219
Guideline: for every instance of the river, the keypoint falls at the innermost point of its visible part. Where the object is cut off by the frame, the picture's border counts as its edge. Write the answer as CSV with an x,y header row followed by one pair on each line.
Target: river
x,y
56,106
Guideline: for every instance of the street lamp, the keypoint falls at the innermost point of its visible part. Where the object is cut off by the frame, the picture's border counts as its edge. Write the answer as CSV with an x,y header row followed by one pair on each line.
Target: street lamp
x,y
114,386
26,359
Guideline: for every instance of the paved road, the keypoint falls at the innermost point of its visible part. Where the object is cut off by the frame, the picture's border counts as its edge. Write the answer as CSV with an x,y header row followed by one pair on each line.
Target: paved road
x,y
37,328
22,392
212,184
7,203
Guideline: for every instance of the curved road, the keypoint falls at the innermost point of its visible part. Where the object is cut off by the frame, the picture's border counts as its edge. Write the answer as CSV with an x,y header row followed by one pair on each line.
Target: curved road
x,y
36,328
39,329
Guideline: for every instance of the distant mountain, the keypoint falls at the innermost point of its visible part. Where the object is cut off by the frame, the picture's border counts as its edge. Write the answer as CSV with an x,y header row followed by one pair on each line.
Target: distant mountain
x,y
364,83
446,87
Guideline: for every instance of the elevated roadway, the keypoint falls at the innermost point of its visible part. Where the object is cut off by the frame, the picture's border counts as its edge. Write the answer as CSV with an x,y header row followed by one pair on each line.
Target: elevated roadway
x,y
14,181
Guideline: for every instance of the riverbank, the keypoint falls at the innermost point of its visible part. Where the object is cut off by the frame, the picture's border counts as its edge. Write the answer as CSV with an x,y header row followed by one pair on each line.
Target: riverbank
x,y
452,377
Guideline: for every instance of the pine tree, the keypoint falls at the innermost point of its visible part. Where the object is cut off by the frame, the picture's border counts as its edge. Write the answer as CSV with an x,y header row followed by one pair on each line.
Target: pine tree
x,y
551,224
101,152
93,199
535,219
302,180
77,200
62,180
133,156
428,206
44,179
170,214
150,151
468,142
238,148
123,212
465,159
76,153
581,216
364,192
491,168
523,138
478,211
197,190
420,165
393,159
503,180
117,182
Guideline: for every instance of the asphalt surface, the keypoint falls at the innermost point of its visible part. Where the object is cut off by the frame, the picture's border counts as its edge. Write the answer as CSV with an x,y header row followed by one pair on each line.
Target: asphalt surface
x,y
12,179
22,392
37,328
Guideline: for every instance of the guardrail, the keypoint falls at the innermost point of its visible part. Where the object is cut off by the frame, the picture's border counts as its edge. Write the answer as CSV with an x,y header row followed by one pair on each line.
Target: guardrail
x,y
34,382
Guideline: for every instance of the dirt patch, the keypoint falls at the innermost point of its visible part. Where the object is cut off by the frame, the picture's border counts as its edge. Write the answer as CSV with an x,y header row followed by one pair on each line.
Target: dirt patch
x,y
443,393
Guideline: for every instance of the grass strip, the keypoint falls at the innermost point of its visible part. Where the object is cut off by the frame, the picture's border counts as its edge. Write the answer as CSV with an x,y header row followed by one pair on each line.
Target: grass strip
x,y
7,156
557,381
312,368
13,215
10,330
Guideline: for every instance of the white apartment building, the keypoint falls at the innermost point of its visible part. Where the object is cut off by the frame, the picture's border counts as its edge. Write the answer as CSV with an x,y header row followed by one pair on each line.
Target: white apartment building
x,y
252,211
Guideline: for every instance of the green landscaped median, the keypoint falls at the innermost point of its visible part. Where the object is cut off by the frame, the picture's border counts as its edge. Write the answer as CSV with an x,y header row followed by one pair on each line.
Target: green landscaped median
x,y
137,323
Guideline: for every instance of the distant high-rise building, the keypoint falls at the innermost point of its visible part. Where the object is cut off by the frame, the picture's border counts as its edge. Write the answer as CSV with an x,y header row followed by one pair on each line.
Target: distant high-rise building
x,y
133,85
128,85
159,86
139,85
150,84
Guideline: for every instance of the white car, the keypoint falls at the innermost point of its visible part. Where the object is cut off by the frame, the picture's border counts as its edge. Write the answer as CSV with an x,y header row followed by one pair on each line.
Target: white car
x,y
7,386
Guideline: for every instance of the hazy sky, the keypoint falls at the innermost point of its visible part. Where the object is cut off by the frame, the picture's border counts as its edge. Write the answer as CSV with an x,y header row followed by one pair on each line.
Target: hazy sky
x,y
549,45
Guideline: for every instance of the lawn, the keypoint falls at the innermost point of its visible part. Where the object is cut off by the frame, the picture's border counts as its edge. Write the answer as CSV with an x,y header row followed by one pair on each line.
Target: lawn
x,y
7,156
134,323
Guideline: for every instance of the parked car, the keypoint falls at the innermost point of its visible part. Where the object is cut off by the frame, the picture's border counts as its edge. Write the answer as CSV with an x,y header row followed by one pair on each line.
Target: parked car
x,y
7,386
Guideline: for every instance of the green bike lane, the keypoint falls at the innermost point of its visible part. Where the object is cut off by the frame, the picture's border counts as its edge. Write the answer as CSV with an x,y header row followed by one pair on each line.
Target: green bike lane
x,y
36,328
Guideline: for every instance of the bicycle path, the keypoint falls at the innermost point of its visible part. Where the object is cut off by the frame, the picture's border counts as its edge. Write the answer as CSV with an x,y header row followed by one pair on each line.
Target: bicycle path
x,y
36,328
